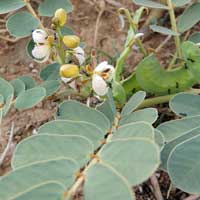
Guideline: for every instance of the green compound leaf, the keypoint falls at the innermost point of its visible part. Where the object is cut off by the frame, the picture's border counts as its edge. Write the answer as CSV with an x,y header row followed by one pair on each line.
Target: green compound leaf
x,y
147,115
103,182
128,158
28,81
67,127
189,18
108,107
75,111
10,5
51,87
133,103
48,147
163,30
183,165
135,129
150,4
165,153
195,37
18,86
185,104
22,24
50,72
48,7
175,128
24,179
46,191
30,98
7,91
159,138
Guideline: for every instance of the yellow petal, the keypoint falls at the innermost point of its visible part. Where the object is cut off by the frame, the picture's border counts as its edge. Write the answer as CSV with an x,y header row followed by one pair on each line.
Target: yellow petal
x,y
61,15
69,71
71,41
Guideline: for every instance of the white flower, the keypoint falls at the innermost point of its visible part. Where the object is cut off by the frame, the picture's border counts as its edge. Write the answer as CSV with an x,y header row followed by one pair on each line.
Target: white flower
x,y
41,52
42,49
103,73
39,36
79,54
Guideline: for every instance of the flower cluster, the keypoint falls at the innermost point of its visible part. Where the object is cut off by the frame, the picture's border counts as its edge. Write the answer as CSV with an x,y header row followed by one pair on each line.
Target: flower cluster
x,y
66,50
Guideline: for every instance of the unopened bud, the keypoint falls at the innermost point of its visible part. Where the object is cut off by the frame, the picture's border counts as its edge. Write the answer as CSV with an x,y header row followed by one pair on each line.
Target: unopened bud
x,y
61,16
69,71
71,41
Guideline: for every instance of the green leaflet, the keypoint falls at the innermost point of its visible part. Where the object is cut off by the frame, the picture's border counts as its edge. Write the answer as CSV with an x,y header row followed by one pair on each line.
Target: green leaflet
x,y
153,78
26,178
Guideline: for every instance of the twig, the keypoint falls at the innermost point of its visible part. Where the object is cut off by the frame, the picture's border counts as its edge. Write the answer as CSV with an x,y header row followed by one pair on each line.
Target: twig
x,y
3,155
156,187
114,3
163,44
193,197
102,9
3,30
2,20
13,40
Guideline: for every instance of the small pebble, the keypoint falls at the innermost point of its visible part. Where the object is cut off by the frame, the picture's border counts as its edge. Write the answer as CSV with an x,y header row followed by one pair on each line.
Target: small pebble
x,y
2,70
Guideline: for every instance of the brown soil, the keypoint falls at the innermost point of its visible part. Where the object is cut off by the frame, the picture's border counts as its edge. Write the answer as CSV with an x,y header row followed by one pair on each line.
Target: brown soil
x,y
14,62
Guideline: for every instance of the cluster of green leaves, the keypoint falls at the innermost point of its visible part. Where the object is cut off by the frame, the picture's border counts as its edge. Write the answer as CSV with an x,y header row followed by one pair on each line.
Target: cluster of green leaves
x,y
45,165
180,155
24,93
22,23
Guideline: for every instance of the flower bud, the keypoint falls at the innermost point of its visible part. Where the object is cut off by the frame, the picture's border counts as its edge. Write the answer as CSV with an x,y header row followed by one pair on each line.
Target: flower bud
x,y
69,71
61,16
71,41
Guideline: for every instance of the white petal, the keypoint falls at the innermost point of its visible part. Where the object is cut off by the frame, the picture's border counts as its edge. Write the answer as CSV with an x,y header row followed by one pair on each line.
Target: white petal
x,y
66,80
105,66
41,53
39,36
101,67
99,85
80,55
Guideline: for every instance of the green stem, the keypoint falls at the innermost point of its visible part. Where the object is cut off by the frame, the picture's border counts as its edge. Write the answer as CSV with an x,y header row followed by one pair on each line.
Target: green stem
x,y
174,27
60,48
164,99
